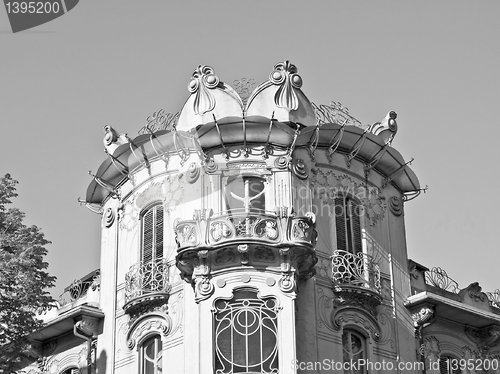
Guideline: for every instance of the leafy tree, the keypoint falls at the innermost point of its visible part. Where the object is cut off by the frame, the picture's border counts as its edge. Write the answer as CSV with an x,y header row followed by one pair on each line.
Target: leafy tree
x,y
23,279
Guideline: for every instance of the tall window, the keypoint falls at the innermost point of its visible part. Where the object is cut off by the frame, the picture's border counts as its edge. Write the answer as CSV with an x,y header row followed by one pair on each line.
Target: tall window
x,y
449,365
151,356
348,224
152,249
245,193
354,352
152,234
246,334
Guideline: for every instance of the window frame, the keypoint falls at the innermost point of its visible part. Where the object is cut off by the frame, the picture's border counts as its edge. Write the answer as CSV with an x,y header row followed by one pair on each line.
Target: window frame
x,y
364,348
350,222
232,311
246,199
156,234
158,353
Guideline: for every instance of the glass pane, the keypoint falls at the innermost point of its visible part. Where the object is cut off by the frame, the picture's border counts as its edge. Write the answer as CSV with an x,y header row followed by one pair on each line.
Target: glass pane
x,y
245,334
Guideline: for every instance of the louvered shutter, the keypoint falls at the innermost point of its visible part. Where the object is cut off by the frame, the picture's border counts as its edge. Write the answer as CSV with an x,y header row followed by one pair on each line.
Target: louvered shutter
x,y
340,227
355,212
159,232
148,235
446,365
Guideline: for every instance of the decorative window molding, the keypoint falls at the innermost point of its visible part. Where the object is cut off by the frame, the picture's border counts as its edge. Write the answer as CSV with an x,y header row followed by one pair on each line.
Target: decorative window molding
x,y
156,323
169,192
326,185
246,333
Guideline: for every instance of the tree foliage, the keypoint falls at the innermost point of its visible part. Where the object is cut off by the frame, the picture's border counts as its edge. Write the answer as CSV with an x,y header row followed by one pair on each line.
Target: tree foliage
x,y
23,279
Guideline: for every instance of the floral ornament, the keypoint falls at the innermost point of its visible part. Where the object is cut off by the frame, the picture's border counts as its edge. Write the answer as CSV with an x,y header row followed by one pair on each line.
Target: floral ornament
x,y
285,75
130,216
202,81
173,192
326,186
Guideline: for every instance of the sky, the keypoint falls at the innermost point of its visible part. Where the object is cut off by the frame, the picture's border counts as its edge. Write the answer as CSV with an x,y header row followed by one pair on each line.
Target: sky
x,y
115,62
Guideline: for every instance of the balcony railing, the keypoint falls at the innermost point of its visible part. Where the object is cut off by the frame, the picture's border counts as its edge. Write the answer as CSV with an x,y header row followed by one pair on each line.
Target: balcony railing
x,y
245,227
80,288
355,270
146,279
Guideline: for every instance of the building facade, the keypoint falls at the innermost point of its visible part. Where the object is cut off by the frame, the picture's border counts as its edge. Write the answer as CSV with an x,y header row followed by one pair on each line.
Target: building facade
x,y
257,232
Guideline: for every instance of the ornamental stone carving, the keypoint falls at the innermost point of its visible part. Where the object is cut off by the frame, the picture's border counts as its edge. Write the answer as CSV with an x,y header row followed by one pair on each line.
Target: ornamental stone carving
x,y
193,173
285,75
396,206
326,185
300,170
153,323
475,292
202,81
431,349
485,338
422,318
109,217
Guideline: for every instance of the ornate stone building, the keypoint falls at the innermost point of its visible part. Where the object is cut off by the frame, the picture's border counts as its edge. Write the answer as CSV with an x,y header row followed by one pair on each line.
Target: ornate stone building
x,y
257,232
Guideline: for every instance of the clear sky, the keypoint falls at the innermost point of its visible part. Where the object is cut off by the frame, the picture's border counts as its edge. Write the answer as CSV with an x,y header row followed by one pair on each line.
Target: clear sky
x,y
115,62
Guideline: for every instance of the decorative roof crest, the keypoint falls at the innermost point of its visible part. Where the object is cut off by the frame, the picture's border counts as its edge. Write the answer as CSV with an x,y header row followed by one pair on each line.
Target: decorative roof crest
x,y
203,79
285,75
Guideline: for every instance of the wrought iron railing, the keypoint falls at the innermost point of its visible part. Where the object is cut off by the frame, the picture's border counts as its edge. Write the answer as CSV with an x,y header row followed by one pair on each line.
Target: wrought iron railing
x,y
358,270
437,277
494,298
79,288
146,278
233,226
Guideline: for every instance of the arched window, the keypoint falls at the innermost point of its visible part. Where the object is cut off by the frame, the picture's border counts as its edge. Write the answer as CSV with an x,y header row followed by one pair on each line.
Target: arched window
x,y
449,365
348,224
354,352
246,338
151,356
153,265
245,193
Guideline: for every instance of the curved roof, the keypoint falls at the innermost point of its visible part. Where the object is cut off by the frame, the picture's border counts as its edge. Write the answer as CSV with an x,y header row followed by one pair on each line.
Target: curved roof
x,y
277,114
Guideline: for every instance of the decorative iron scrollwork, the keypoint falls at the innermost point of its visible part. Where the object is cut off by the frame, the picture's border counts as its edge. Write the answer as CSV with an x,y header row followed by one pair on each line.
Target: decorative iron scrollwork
x,y
437,277
147,277
358,270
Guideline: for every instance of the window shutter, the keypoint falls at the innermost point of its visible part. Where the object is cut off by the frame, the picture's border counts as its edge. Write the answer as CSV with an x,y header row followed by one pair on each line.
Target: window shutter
x,y
147,235
340,227
355,211
159,232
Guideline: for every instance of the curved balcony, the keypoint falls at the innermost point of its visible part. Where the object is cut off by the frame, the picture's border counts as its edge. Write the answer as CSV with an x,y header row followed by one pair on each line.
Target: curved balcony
x,y
146,284
233,228
356,277
263,240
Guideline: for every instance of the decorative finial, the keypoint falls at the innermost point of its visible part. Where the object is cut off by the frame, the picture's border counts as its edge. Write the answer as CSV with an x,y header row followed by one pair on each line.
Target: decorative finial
x,y
285,75
202,81
112,139
386,129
